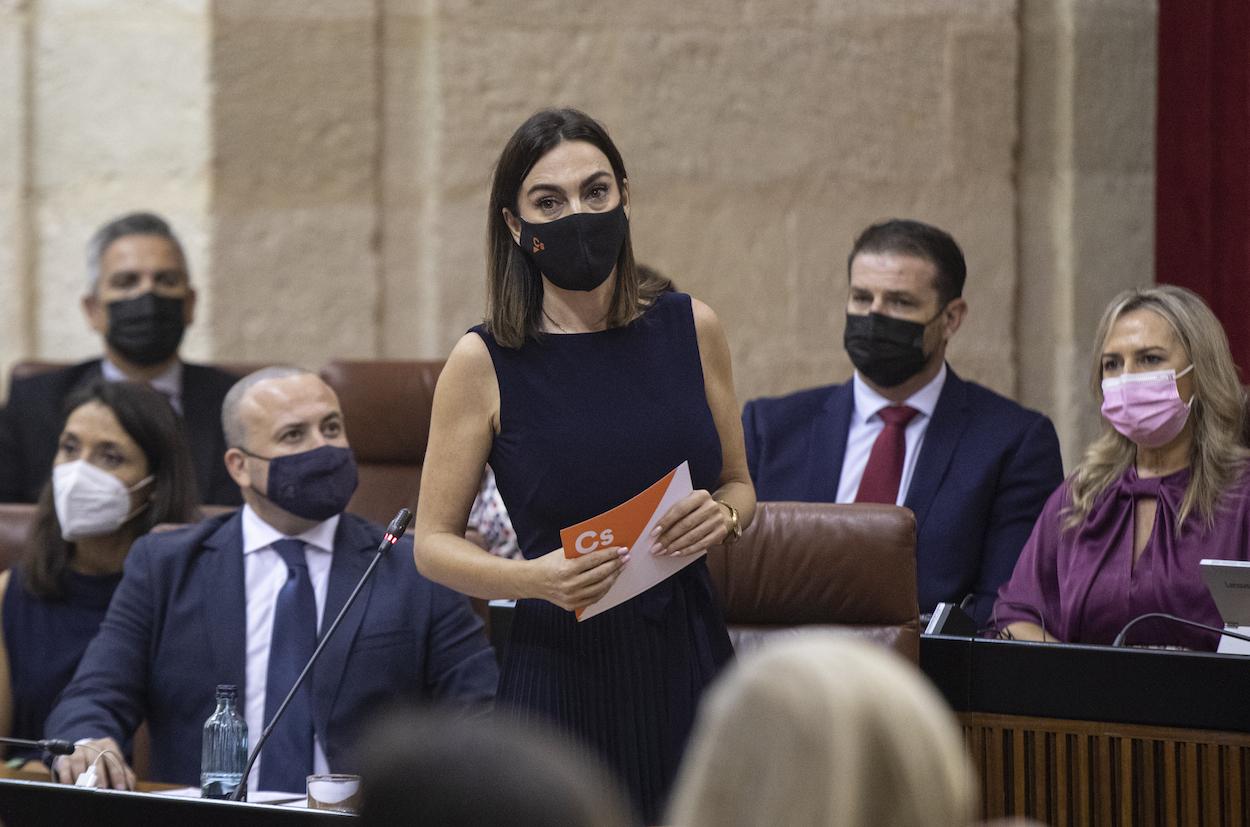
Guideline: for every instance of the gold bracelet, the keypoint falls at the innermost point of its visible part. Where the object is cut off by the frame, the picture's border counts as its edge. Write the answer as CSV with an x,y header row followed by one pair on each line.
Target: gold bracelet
x,y
735,527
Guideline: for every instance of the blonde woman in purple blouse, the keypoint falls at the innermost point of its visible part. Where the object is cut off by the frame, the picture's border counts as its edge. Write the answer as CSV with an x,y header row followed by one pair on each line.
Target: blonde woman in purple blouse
x,y
1162,487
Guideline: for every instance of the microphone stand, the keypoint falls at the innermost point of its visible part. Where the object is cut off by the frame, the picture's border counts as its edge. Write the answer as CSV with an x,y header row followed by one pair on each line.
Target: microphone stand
x,y
1119,639
52,745
393,532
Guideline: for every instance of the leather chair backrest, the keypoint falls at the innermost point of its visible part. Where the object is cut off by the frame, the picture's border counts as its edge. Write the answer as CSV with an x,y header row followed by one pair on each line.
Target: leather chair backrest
x,y
386,407
849,568
26,368
16,520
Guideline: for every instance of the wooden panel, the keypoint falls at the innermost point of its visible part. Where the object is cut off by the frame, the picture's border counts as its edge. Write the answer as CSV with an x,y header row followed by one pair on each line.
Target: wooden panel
x,y
1065,772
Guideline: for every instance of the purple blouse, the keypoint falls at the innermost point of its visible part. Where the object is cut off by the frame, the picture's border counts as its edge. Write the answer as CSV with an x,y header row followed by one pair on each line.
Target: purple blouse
x,y
1083,587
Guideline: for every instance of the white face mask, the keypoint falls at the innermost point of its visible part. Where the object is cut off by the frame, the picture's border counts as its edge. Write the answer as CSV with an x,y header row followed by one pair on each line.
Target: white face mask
x,y
90,501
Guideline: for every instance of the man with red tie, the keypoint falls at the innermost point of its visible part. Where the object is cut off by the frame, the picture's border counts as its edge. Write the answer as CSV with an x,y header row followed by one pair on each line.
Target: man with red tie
x,y
973,466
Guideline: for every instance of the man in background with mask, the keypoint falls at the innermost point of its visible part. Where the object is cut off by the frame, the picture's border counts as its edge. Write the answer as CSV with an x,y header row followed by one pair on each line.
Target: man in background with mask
x,y
242,598
140,301
974,467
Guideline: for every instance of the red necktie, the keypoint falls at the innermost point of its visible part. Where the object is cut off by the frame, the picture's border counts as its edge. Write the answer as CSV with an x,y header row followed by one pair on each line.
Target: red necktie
x,y
885,463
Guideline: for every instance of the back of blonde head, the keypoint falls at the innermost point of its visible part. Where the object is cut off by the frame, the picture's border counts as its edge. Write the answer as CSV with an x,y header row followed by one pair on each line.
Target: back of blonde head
x,y
824,730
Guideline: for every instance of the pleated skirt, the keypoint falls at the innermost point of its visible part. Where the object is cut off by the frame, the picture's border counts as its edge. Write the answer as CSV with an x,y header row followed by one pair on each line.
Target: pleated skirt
x,y
625,683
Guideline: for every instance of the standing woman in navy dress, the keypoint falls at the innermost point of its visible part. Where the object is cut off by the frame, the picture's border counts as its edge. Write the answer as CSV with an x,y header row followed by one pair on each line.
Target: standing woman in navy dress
x,y
588,382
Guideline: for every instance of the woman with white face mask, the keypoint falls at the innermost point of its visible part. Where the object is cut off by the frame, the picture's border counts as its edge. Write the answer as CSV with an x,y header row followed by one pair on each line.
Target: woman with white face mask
x,y
122,466
1162,487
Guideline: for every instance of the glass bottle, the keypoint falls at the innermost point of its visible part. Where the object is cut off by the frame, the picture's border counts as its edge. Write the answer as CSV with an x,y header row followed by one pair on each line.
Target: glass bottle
x,y
223,753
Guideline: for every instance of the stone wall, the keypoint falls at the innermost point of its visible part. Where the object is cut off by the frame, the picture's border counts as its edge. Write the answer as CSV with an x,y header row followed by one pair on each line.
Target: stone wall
x,y
1086,193
327,162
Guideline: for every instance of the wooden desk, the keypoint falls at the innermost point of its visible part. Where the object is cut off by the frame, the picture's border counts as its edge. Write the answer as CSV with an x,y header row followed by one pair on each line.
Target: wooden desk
x,y
1094,735
29,799
23,775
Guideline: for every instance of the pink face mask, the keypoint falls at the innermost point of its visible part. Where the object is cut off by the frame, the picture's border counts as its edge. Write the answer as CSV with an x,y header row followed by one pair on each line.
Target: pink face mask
x,y
1146,407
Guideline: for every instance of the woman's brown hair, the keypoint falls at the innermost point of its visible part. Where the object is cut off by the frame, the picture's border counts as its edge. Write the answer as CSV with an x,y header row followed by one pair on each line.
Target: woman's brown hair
x,y
149,420
514,286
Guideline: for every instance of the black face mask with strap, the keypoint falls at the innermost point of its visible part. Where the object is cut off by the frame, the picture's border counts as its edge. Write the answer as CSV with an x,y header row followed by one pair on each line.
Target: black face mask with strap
x,y
147,329
886,350
576,252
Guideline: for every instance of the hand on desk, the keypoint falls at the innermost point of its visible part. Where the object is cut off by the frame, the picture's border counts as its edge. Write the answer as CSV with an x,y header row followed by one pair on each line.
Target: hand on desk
x,y
111,769
1023,630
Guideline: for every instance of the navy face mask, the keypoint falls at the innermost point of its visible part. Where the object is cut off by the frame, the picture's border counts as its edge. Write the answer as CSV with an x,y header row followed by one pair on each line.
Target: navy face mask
x,y
315,484
576,252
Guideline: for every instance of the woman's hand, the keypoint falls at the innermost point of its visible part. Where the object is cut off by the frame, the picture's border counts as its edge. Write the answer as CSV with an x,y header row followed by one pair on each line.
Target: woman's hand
x,y
575,584
1023,630
690,526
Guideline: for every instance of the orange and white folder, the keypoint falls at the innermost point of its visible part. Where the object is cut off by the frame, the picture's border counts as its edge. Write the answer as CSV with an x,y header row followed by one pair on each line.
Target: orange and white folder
x,y
629,525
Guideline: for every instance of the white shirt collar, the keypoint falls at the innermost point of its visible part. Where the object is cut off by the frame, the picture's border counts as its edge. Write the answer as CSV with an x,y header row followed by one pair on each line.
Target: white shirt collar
x,y
258,534
868,402
168,383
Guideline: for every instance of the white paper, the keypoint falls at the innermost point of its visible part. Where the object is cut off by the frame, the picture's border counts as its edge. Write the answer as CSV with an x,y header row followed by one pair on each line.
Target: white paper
x,y
645,569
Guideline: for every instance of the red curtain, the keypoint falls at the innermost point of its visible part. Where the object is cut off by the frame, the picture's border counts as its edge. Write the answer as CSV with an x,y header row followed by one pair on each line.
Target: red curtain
x,y
1202,184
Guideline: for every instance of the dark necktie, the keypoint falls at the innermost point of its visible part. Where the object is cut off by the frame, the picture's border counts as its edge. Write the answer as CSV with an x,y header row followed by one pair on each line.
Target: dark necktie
x,y
288,758
885,463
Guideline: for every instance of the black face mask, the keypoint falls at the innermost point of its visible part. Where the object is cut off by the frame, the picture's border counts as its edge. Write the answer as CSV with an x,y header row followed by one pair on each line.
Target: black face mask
x,y
315,484
147,329
576,252
886,350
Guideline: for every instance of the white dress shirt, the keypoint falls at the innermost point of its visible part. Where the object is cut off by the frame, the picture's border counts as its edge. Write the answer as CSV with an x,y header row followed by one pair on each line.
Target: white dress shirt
x,y
168,383
866,425
264,573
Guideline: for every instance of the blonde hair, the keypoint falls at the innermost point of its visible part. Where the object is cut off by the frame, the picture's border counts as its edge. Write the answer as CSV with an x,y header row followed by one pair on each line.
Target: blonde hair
x,y
823,729
1217,412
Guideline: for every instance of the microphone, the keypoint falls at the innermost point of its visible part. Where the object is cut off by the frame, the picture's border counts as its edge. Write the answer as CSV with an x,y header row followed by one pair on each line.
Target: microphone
x,y
394,531
52,745
1119,639
949,619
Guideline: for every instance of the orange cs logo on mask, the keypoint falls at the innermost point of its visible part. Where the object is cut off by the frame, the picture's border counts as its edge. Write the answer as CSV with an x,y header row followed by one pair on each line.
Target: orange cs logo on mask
x,y
538,245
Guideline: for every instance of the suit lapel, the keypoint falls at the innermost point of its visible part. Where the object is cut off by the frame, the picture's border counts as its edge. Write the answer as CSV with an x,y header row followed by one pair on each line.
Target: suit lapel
x,y
827,445
84,374
352,547
225,606
200,414
940,441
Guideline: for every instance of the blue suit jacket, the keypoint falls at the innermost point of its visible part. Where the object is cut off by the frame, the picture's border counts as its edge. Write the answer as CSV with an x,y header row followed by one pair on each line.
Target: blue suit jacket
x,y
984,472
177,627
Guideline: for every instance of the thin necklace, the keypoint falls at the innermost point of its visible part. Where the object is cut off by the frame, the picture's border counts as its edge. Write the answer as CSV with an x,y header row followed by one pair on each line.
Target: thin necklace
x,y
559,326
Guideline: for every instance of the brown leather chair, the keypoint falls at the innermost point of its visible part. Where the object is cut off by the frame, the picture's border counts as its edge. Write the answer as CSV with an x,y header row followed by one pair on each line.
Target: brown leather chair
x,y
849,568
26,368
386,407
16,520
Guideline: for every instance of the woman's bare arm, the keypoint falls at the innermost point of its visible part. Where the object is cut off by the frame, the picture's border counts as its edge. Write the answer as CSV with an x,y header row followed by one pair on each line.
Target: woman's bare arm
x,y
700,520
464,421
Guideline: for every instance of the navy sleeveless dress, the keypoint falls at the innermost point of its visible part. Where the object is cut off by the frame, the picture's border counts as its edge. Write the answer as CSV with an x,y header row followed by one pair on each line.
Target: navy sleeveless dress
x,y
45,640
588,420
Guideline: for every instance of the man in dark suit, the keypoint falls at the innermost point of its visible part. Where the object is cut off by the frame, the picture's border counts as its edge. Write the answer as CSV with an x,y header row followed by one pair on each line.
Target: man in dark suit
x,y
974,467
140,301
240,599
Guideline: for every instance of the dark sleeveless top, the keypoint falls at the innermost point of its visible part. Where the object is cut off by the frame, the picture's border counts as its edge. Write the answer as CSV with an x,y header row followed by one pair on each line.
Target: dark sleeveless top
x,y
588,420
45,640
